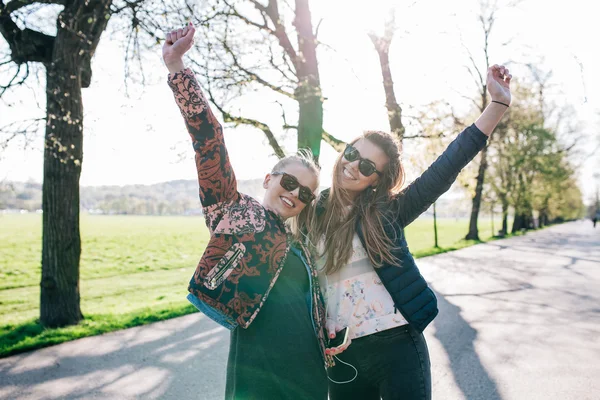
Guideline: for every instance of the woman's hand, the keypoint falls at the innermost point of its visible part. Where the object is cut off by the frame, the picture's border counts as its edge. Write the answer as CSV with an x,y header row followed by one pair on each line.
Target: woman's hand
x,y
498,83
177,43
331,332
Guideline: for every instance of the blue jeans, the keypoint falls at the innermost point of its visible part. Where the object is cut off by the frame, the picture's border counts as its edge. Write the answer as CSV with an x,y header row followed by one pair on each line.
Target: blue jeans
x,y
392,364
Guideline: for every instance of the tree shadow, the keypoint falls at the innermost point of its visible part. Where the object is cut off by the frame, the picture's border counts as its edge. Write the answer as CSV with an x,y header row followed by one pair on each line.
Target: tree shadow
x,y
180,358
458,339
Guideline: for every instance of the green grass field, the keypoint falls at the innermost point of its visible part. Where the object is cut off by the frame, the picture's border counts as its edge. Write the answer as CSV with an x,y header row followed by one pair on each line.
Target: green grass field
x,y
134,270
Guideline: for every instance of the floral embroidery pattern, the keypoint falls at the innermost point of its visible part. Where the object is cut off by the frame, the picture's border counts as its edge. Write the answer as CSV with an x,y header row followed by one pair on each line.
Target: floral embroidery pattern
x,y
356,297
234,220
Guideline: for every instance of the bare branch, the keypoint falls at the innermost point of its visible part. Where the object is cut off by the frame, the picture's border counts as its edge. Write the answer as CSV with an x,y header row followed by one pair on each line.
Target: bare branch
x,y
466,98
128,4
12,83
337,144
264,26
19,128
18,4
281,71
229,118
317,28
253,75
272,11
25,45
479,80
285,124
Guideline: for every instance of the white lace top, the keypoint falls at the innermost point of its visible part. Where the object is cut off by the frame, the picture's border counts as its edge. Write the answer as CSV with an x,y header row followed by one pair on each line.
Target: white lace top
x,y
355,296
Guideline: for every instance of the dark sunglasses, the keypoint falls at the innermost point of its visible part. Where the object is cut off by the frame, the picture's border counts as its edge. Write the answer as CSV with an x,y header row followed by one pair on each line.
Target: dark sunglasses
x,y
290,182
365,166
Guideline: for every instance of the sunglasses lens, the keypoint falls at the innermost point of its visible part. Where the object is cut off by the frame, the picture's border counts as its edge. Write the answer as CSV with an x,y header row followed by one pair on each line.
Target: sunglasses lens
x,y
305,195
350,153
366,168
288,182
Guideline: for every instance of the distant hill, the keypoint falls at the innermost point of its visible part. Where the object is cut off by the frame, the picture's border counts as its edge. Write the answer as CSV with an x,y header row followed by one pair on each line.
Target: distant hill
x,y
178,197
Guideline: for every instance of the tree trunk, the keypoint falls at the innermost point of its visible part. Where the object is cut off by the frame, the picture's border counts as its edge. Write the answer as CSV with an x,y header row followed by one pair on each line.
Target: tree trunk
x,y
308,93
473,233
522,221
79,28
518,223
394,110
504,218
61,244
542,218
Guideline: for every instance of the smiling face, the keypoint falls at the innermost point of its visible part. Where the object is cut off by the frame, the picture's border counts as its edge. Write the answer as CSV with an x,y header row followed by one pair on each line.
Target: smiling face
x,y
349,176
285,202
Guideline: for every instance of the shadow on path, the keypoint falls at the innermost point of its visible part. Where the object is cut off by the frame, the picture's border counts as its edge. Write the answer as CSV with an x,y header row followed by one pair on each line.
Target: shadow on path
x,y
458,339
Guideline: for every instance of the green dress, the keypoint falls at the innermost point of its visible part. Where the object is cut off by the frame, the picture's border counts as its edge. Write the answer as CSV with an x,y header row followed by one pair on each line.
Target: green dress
x,y
278,356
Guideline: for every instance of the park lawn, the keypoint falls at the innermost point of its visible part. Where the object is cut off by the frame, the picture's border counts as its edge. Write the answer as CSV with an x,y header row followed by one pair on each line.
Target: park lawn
x,y
134,270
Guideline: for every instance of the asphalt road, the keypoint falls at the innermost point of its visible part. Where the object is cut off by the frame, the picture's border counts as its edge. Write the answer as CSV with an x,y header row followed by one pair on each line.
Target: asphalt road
x,y
519,320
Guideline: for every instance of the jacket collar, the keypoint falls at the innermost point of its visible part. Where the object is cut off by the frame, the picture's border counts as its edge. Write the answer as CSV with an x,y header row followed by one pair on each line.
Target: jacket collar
x,y
322,201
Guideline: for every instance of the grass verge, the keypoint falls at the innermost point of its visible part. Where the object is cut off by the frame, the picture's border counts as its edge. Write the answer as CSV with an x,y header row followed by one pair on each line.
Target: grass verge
x,y
134,271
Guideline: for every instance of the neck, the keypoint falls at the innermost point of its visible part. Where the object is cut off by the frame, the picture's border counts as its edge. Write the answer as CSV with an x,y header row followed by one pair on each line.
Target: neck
x,y
273,211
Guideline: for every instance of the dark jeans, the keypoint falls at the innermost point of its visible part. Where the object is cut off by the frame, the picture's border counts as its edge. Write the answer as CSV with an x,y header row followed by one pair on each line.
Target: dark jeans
x,y
392,364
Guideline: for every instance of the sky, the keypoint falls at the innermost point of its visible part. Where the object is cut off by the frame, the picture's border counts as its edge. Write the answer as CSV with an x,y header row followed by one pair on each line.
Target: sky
x,y
138,137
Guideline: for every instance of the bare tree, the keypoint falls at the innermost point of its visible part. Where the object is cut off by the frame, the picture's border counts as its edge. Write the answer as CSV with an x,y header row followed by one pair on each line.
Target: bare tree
x,y
249,45
382,46
487,18
66,58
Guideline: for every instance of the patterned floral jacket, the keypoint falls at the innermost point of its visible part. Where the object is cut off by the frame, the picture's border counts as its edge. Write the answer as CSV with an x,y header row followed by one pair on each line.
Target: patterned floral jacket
x,y
248,243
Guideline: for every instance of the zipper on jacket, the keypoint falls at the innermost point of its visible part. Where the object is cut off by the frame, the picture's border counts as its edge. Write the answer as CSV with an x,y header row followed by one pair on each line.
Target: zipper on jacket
x,y
213,281
310,286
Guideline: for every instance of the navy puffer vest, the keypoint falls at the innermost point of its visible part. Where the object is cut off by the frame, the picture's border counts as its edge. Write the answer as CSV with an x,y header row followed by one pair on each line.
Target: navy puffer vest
x,y
409,290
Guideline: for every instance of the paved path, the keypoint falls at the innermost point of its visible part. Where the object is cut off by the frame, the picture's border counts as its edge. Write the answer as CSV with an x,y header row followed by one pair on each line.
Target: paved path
x,y
519,319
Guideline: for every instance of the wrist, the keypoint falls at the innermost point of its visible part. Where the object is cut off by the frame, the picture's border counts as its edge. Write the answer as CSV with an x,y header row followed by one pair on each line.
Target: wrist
x,y
175,65
501,101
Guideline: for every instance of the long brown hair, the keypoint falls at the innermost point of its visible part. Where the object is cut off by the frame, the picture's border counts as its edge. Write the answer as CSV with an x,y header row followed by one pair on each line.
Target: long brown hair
x,y
337,226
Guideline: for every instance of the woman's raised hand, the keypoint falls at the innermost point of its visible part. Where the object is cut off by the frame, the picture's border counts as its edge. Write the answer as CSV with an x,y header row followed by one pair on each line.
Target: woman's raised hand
x,y
498,83
177,43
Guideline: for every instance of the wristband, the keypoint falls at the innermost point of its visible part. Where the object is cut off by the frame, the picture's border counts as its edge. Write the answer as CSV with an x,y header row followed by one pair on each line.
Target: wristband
x,y
504,104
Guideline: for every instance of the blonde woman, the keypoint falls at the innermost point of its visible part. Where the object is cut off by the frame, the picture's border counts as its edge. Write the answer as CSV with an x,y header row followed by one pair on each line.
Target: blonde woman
x,y
251,278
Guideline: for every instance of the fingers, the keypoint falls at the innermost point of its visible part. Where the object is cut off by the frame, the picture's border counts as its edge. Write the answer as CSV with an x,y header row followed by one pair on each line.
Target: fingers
x,y
501,72
337,350
186,33
330,327
173,36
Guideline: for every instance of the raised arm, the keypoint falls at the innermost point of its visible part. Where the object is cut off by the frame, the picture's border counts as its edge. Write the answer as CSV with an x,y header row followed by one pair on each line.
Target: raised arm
x,y
215,175
437,179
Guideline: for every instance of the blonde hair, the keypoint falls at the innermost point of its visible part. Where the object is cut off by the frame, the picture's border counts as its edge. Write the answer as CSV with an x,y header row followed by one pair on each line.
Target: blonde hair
x,y
338,226
305,158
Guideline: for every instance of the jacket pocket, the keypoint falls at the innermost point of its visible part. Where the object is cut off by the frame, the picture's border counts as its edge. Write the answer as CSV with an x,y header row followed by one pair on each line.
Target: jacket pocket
x,y
225,266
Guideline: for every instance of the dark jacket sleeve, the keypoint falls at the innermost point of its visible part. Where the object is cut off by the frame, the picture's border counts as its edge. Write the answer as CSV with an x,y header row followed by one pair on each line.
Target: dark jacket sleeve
x,y
215,175
437,179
